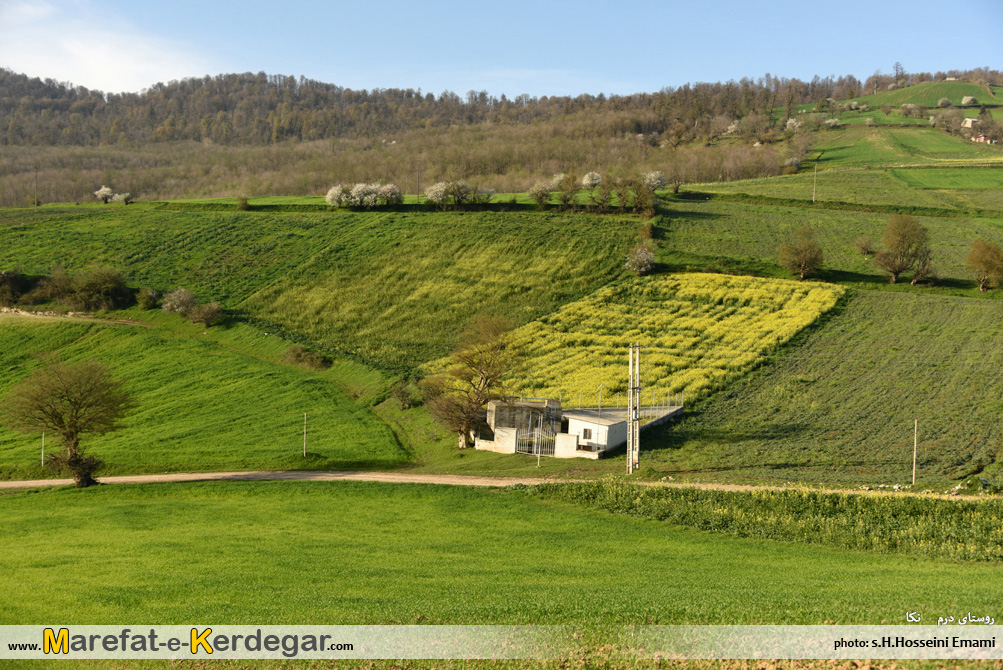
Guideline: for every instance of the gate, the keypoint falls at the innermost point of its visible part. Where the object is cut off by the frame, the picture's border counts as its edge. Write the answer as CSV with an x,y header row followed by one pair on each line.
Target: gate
x,y
541,439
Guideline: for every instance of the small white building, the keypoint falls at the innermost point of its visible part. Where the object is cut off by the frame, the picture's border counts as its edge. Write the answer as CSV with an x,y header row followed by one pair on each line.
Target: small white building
x,y
596,432
541,427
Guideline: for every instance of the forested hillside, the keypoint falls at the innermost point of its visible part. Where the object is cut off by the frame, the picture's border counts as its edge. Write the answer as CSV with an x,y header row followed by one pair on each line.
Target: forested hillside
x,y
262,109
257,135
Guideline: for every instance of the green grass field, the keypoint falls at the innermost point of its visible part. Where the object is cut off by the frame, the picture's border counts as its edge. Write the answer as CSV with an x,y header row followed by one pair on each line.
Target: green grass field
x,y
952,178
743,236
216,400
357,553
839,406
877,146
855,186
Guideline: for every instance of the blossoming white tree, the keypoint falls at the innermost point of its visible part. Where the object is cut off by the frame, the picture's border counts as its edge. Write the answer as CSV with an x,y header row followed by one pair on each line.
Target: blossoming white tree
x,y
437,193
591,180
104,194
655,180
336,196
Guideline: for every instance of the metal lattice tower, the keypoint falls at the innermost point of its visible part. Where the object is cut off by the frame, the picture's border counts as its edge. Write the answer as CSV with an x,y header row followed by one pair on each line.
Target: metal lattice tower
x,y
633,407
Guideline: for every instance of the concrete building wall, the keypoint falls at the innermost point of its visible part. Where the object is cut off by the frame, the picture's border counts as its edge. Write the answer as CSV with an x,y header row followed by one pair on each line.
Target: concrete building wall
x,y
566,446
616,435
504,442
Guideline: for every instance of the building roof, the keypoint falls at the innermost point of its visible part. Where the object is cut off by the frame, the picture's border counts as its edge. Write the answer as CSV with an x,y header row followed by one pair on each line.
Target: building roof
x,y
591,416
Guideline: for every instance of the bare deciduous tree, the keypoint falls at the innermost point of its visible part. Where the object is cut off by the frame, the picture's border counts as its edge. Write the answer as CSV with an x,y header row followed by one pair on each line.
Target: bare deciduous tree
x,y
477,367
69,399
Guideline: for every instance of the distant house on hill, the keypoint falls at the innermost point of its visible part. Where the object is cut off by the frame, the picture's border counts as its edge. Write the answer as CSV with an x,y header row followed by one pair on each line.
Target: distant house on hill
x,y
981,137
970,122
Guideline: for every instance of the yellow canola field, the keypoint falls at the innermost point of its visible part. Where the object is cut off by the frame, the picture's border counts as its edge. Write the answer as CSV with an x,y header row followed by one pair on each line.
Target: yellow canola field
x,y
698,331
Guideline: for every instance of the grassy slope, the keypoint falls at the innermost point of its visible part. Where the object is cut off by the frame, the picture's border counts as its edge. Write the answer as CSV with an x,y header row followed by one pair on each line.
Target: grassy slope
x,y
355,553
850,160
393,289
204,401
840,407
928,94
701,233
856,146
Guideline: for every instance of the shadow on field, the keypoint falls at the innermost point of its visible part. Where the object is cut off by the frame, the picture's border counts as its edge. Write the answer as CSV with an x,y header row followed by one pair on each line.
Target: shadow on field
x,y
846,277
695,214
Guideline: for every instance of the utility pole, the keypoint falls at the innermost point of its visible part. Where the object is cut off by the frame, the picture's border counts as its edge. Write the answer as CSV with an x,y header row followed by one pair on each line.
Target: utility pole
x,y
915,448
633,407
600,401
814,182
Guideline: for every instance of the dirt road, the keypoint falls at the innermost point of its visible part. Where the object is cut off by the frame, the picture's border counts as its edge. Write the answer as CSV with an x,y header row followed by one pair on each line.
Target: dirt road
x,y
406,478
289,475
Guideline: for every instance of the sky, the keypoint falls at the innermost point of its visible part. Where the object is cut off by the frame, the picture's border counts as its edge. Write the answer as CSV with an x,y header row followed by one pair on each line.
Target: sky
x,y
522,47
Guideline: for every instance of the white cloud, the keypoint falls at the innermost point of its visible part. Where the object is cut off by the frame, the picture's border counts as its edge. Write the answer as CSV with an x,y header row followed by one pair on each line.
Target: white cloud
x,y
78,41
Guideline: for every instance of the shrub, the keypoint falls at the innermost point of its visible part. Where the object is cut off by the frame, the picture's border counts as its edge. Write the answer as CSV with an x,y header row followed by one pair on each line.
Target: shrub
x,y
969,100
100,288
640,259
540,193
103,194
406,393
12,285
179,301
802,257
865,245
646,231
242,205
832,123
792,125
300,355
943,102
209,315
57,286
125,198
147,298
482,196
567,190
910,109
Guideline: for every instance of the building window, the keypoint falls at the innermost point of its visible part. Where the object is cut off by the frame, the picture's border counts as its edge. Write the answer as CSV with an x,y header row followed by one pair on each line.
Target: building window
x,y
586,433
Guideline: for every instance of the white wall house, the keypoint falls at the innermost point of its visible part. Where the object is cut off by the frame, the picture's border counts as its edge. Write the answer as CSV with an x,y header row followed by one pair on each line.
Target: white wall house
x,y
595,432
